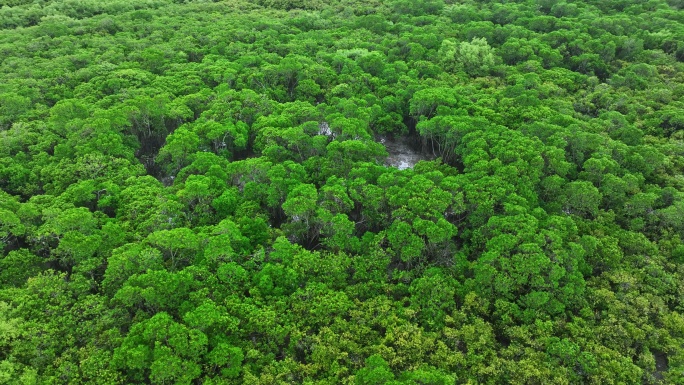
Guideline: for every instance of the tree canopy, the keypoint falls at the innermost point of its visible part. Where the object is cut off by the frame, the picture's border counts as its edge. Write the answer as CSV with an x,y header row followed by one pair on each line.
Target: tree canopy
x,y
199,192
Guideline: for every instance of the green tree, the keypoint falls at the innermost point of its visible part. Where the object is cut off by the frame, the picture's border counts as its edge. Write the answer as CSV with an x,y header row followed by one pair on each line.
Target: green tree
x,y
476,57
582,198
161,350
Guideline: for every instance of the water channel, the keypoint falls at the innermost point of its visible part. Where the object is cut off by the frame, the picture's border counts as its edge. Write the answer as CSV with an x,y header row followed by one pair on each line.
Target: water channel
x,y
404,152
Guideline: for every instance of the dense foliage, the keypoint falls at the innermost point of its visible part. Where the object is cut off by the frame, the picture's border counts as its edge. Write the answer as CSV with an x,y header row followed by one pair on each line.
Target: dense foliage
x,y
194,192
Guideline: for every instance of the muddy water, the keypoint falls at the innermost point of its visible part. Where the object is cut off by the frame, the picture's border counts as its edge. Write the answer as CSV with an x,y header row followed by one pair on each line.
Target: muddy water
x,y
404,152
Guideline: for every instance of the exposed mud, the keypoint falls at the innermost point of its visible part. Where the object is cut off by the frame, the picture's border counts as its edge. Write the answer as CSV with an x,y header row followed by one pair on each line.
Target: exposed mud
x,y
662,364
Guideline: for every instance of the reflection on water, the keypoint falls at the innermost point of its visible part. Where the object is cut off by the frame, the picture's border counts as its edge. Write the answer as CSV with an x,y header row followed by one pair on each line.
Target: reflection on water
x,y
324,129
404,152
